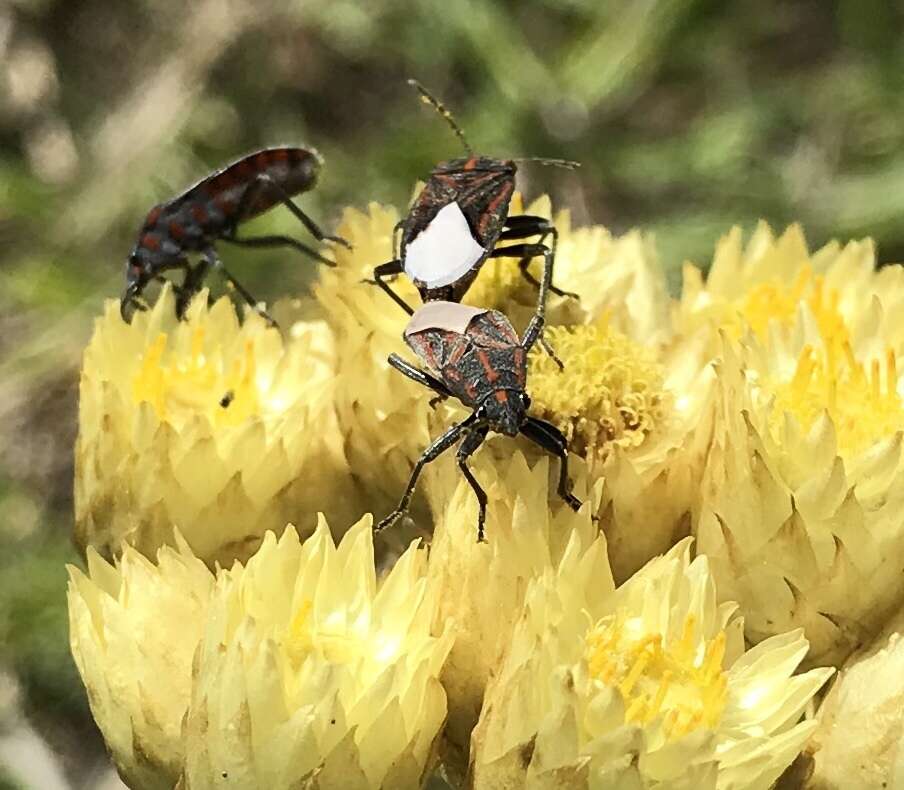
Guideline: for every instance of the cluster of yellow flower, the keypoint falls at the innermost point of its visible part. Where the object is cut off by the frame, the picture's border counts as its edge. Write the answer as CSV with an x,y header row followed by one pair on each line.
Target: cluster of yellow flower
x,y
739,453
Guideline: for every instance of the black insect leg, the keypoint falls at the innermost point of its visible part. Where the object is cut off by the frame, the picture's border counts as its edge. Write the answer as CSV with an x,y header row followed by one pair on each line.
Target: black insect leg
x,y
421,377
471,442
264,182
130,301
551,439
191,284
395,232
534,331
279,241
439,446
524,226
210,259
386,270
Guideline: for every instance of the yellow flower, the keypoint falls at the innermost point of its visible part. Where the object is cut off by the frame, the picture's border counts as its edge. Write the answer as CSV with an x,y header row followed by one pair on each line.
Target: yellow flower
x,y
220,429
133,632
480,586
639,417
857,744
801,501
311,674
642,686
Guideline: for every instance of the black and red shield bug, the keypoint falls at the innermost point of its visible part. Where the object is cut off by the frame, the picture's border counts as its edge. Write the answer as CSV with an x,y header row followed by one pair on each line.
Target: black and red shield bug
x,y
473,354
457,220
211,211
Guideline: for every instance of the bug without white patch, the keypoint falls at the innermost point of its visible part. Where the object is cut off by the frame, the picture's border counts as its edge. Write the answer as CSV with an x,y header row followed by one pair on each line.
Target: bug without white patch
x,y
444,251
451,316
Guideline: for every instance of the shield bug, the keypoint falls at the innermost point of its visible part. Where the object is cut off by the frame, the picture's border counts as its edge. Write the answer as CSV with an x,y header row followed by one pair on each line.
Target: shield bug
x,y
457,220
473,354
211,211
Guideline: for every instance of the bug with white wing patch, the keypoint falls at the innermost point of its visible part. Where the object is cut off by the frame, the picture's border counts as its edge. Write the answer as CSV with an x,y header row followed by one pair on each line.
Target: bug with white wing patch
x,y
444,251
455,223
474,355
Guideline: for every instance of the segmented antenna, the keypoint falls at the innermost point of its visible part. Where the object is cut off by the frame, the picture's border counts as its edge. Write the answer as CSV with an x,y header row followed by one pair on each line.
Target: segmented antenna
x,y
568,164
429,98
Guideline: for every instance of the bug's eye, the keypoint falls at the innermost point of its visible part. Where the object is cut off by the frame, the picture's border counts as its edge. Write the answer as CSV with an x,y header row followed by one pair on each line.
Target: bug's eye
x,y
525,399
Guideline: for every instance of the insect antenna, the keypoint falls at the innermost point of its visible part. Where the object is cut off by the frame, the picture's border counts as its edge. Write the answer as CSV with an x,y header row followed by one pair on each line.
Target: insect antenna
x,y
429,98
567,164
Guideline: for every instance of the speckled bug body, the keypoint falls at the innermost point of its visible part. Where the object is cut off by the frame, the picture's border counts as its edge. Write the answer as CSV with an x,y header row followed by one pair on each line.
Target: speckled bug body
x,y
456,222
211,211
474,355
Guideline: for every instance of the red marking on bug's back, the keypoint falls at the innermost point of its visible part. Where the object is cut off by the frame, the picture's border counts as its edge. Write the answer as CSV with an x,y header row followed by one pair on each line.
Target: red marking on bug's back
x,y
245,168
150,242
492,373
280,155
505,192
199,213
470,164
176,230
153,216
520,369
501,396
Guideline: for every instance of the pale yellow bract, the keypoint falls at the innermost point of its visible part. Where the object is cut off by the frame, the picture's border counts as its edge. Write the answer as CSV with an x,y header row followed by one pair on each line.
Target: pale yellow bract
x,y
299,669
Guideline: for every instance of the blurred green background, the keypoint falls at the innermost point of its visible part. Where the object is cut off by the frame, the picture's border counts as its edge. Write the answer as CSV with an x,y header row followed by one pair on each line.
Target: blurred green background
x,y
688,116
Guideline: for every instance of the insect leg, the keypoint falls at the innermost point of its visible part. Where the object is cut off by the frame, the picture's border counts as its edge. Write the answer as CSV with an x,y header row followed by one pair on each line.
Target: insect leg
x,y
131,301
279,241
471,442
210,259
534,330
385,270
421,377
262,182
395,244
551,439
439,446
524,226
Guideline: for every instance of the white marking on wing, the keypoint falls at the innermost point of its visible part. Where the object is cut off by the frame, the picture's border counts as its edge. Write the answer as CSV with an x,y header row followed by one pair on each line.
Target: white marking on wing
x,y
444,251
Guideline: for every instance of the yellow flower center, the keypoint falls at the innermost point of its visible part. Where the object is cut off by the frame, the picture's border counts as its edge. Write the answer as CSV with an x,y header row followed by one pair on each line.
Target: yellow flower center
x,y
199,381
678,680
779,301
864,405
611,391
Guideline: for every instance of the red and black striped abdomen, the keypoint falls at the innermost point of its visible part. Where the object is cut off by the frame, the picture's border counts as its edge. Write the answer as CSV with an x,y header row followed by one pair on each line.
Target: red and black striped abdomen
x,y
214,203
485,358
202,213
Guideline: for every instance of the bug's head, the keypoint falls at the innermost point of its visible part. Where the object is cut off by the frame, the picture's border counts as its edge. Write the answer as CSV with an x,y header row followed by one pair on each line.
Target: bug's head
x,y
505,410
136,280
